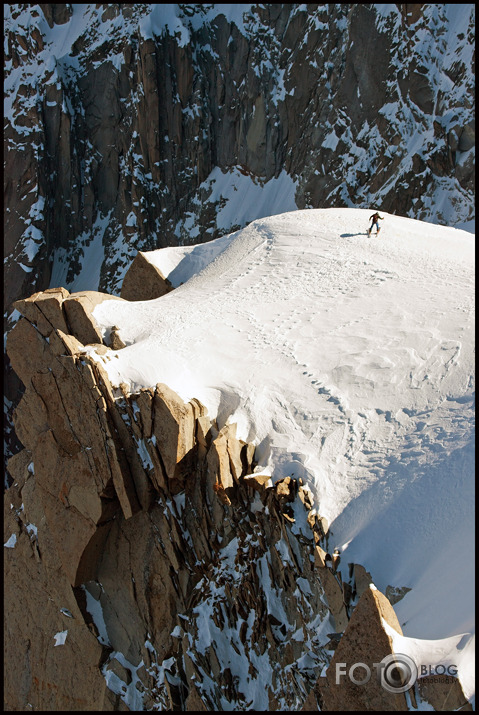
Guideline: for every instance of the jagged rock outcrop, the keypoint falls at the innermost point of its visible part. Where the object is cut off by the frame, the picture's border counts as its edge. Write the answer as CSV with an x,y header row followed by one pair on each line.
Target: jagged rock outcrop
x,y
365,641
364,659
138,122
149,566
136,507
144,281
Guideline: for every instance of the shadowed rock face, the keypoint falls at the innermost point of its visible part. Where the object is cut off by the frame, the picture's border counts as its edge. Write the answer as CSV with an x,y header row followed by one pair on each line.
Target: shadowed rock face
x,y
110,150
304,90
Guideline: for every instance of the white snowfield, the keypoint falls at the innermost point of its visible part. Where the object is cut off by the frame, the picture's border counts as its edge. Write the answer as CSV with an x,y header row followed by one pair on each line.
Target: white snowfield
x,y
349,361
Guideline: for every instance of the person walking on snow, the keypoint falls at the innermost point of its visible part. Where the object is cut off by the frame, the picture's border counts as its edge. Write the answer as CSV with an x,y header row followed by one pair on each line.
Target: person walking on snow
x,y
375,218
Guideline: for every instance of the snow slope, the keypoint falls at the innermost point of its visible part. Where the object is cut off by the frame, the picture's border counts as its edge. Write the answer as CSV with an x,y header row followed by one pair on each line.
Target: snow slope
x,y
349,361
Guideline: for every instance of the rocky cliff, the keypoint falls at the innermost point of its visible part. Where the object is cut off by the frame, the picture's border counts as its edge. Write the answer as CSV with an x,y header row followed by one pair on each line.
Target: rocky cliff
x,y
150,567
133,127
118,114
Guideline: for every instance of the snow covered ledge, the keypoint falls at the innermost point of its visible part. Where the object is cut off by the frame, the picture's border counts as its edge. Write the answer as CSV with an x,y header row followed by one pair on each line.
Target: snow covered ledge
x,y
144,489
262,247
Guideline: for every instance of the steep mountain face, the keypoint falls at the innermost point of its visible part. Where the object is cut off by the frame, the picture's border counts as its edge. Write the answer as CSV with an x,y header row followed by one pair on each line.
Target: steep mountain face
x,y
140,509
117,115
147,567
133,127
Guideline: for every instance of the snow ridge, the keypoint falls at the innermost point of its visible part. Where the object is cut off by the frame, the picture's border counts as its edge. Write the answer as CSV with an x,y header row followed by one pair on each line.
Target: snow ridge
x,y
348,361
